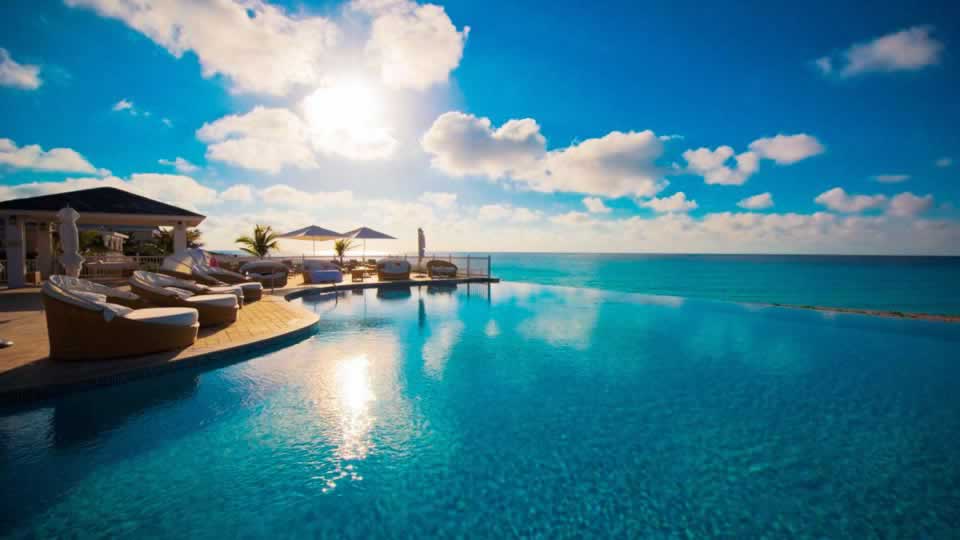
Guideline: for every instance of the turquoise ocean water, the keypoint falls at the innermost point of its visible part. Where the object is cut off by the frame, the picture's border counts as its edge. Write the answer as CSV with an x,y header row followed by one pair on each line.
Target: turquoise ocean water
x,y
911,284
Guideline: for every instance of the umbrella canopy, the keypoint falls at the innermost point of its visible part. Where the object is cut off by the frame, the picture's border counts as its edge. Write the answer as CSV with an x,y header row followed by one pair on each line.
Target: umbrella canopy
x,y
314,233
366,233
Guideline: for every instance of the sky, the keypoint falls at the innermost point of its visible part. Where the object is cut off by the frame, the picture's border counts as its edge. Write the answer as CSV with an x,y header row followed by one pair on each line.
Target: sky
x,y
501,126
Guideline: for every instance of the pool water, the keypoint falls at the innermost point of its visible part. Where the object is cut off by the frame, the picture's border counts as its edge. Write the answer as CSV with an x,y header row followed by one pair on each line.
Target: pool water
x,y
514,410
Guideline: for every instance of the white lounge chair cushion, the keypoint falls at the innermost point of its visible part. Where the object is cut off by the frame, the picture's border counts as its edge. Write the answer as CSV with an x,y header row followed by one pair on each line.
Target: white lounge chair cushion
x,y
183,294
170,316
91,297
83,285
219,300
235,290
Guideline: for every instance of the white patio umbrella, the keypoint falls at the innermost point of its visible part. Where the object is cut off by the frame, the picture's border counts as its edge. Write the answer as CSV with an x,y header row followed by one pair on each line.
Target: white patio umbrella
x,y
314,233
366,233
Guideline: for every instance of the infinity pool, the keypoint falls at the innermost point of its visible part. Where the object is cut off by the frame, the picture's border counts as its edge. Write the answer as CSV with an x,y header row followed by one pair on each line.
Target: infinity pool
x,y
514,410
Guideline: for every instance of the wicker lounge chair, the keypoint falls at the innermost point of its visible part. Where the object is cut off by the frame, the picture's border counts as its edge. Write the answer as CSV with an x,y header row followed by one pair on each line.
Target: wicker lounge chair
x,y
267,273
83,325
164,280
191,265
393,269
113,295
213,309
443,269
316,272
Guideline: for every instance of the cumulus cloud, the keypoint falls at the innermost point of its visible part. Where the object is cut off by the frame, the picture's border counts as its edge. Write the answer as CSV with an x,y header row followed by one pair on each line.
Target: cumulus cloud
x,y
757,202
285,195
713,165
238,193
463,145
675,203
174,189
891,178
838,200
908,205
180,164
439,199
506,212
257,46
262,139
787,149
572,218
614,165
23,76
124,105
907,50
416,46
595,205
34,158
944,162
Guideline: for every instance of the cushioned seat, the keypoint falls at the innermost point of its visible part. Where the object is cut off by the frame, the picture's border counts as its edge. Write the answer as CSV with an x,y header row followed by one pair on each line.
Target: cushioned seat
x,y
252,291
221,300
315,272
170,315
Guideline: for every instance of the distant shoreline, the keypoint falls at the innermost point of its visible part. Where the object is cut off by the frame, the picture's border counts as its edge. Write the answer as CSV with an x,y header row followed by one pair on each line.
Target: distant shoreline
x,y
874,312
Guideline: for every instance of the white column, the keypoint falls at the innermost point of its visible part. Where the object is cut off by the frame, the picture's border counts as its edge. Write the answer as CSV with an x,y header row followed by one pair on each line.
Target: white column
x,y
16,252
179,237
70,242
44,249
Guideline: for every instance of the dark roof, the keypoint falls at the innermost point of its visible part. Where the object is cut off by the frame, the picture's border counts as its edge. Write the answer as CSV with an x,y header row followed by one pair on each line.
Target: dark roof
x,y
103,200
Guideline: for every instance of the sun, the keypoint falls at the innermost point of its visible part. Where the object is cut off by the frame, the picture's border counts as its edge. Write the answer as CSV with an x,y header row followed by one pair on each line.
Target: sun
x,y
346,106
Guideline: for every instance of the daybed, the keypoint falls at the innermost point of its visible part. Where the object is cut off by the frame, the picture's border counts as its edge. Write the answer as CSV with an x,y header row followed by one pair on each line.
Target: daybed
x,y
393,269
164,280
192,264
267,273
213,309
83,325
438,268
315,272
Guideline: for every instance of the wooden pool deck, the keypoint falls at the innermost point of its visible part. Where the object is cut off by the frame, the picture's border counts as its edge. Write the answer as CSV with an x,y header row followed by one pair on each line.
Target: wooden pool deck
x,y
27,373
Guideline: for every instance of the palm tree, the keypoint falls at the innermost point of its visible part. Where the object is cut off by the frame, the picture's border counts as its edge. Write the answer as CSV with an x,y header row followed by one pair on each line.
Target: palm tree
x,y
342,246
163,242
260,244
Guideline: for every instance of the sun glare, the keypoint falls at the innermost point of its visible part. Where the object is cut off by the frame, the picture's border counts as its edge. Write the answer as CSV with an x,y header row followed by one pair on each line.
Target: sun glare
x,y
343,106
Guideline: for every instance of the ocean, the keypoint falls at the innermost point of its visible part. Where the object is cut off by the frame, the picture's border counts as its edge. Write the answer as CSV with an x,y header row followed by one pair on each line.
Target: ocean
x,y
888,283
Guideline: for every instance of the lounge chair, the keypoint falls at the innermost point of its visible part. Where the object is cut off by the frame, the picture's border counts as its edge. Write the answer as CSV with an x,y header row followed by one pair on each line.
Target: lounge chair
x,y
267,273
83,325
164,280
316,272
214,309
442,269
191,265
113,295
393,269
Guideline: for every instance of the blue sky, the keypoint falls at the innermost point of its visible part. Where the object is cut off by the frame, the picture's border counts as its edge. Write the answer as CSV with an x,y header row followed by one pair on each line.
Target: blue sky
x,y
502,125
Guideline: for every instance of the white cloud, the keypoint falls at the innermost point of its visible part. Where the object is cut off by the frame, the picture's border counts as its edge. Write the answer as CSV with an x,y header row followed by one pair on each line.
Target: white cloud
x,y
675,203
344,118
462,145
33,157
908,205
944,162
256,45
124,105
23,76
614,165
284,195
177,190
595,205
757,202
838,200
416,46
439,199
180,164
262,139
907,50
712,165
787,149
238,193
506,212
891,178
573,218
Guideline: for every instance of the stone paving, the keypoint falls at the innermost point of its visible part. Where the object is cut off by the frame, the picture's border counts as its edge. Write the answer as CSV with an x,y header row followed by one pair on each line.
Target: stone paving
x,y
26,372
